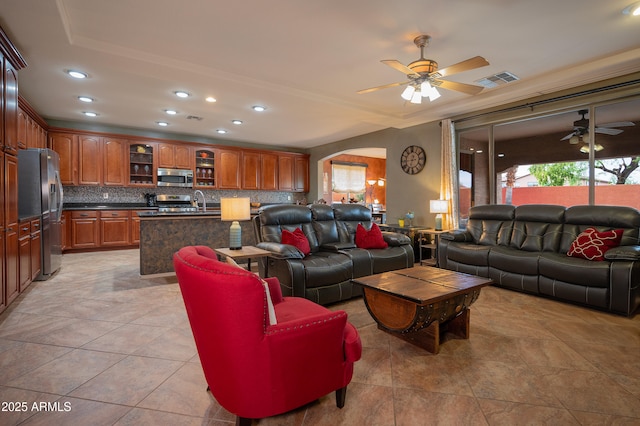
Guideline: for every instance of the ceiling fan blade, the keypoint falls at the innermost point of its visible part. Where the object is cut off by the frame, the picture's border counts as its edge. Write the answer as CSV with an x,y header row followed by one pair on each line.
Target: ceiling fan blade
x,y
373,89
617,124
400,67
568,136
608,131
469,89
469,64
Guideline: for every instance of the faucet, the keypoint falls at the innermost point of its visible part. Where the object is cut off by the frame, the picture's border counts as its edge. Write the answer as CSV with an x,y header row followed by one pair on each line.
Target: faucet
x,y
204,199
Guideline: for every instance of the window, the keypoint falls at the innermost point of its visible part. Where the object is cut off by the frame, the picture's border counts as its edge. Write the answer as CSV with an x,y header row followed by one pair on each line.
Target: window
x,y
584,155
349,179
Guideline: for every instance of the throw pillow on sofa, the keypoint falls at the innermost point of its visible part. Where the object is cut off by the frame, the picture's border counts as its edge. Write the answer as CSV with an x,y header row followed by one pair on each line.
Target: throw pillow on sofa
x,y
371,239
592,245
296,239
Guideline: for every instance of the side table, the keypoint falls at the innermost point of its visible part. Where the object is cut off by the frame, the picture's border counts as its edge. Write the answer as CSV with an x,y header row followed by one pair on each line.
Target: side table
x,y
246,252
434,236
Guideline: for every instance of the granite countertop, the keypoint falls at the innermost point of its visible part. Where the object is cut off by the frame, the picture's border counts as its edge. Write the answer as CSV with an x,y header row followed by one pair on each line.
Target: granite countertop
x,y
211,213
107,206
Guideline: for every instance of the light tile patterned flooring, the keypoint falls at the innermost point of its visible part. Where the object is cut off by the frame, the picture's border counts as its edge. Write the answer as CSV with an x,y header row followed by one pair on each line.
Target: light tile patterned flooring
x,y
105,347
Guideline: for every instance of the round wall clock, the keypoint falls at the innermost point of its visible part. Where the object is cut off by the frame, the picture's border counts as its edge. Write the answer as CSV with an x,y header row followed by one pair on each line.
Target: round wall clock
x,y
413,159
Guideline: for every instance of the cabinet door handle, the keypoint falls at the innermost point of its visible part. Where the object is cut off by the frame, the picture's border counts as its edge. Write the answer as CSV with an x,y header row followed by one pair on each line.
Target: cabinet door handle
x,y
24,229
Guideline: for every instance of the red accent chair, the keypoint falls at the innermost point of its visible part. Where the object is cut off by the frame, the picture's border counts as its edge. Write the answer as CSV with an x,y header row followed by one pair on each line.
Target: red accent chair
x,y
255,369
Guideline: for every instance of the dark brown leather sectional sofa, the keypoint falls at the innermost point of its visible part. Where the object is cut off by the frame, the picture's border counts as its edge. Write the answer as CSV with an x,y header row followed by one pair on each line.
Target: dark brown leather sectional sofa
x,y
525,248
324,276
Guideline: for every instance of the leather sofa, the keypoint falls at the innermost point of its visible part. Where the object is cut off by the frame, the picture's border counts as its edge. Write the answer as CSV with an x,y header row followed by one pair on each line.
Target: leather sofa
x,y
525,248
324,275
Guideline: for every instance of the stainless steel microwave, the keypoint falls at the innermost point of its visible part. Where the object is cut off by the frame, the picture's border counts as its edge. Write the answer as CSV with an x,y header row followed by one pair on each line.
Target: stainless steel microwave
x,y
175,177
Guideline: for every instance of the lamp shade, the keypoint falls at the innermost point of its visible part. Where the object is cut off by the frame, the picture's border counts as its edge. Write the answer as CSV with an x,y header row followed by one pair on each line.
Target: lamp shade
x,y
235,209
438,206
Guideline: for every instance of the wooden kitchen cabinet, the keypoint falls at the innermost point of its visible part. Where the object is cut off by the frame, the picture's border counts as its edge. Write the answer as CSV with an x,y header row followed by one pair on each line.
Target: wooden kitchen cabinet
x,y
301,173
36,249
293,172
12,265
24,256
66,145
268,171
228,169
113,167
90,161
285,173
64,227
85,232
251,170
205,174
140,164
259,171
10,104
23,128
174,156
135,227
114,228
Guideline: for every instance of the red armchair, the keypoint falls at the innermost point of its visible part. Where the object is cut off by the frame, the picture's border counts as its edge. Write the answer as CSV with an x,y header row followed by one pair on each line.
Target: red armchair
x,y
256,369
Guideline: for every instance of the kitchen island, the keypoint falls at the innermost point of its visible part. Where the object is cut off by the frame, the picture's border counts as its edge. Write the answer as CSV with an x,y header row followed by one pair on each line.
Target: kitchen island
x,y
162,234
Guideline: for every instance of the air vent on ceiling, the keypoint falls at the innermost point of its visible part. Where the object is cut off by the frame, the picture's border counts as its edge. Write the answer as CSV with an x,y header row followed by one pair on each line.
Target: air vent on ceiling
x,y
497,79
194,117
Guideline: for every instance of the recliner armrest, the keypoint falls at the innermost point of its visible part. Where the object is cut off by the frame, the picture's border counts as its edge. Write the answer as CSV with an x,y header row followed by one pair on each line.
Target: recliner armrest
x,y
623,253
336,247
282,251
461,236
395,239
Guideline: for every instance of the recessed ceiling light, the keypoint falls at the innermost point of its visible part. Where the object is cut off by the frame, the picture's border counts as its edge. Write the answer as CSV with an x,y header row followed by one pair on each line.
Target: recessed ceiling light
x,y
632,9
90,113
171,111
500,154
182,94
86,99
259,108
210,99
162,123
77,74
236,121
221,131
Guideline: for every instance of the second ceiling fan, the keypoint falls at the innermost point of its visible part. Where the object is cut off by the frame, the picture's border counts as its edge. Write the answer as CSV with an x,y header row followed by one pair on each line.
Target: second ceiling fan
x,y
423,75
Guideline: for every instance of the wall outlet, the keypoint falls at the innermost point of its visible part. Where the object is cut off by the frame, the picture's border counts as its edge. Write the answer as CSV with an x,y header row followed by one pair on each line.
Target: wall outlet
x,y
288,197
105,195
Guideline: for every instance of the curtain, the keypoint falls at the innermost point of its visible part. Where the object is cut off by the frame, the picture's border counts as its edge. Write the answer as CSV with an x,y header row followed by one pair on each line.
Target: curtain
x,y
349,177
449,169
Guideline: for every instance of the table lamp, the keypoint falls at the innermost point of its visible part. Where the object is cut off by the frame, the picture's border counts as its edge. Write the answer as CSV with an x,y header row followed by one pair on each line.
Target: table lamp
x,y
439,207
234,210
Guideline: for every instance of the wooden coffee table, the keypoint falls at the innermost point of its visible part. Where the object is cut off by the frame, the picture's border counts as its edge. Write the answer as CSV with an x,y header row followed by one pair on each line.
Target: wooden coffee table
x,y
418,304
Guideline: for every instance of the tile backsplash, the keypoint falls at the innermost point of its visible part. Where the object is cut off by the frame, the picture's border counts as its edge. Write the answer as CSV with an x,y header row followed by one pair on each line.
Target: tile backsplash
x,y
96,194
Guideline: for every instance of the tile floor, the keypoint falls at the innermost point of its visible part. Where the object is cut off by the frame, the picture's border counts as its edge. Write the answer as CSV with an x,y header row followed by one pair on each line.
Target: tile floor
x,y
98,345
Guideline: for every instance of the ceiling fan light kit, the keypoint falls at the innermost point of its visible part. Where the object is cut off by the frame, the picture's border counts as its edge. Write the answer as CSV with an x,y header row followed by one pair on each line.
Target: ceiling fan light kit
x,y
632,9
580,131
424,76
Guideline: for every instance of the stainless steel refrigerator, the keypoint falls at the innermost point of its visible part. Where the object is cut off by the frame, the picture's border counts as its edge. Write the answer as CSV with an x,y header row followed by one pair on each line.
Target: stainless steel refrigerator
x,y
40,195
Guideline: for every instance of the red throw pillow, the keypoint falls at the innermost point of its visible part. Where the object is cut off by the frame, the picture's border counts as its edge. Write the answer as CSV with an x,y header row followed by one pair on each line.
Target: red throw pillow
x,y
371,239
296,239
592,245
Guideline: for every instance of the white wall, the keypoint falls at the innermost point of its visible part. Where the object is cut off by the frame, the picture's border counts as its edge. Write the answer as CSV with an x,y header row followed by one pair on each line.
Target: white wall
x,y
404,192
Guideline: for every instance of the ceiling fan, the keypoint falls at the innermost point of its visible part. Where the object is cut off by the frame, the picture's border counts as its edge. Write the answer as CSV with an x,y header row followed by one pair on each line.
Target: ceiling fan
x,y
581,128
423,75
